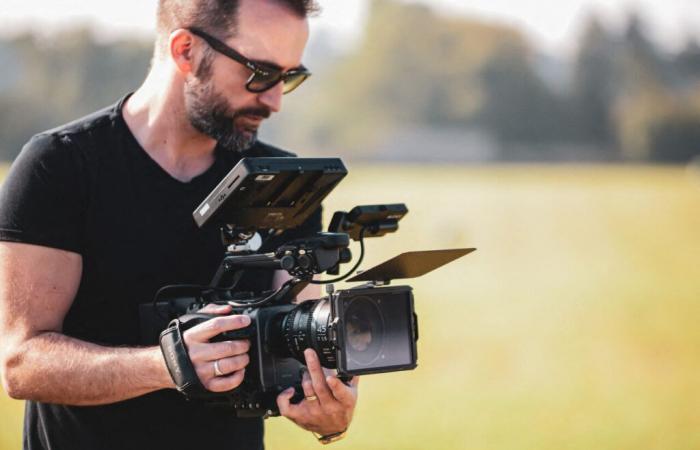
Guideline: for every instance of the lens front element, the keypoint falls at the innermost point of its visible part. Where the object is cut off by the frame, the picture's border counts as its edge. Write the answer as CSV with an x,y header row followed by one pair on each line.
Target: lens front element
x,y
364,331
376,330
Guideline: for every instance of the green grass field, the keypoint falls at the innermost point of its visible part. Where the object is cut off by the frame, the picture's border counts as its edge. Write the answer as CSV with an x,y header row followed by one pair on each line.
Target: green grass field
x,y
574,325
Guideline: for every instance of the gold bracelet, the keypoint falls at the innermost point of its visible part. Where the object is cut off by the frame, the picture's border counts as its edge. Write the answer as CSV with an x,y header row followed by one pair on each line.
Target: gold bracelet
x,y
330,438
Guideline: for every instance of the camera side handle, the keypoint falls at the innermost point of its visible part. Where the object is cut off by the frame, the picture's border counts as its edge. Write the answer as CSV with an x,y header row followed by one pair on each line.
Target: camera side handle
x,y
190,320
177,359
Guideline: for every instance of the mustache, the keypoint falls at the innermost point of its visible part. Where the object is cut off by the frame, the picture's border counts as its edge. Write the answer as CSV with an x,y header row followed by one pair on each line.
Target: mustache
x,y
257,112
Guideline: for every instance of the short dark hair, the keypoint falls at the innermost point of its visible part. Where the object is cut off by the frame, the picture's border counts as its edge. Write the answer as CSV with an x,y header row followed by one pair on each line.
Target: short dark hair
x,y
218,17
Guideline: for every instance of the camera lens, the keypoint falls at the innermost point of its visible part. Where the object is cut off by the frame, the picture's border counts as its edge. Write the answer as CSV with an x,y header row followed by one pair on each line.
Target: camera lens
x,y
373,331
305,326
364,331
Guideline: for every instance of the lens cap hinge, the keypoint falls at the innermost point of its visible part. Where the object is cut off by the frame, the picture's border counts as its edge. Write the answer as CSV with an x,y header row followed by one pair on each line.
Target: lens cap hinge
x,y
333,331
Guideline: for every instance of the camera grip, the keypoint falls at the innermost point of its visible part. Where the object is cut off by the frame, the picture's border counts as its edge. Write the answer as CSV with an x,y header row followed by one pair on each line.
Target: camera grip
x,y
233,335
190,320
178,361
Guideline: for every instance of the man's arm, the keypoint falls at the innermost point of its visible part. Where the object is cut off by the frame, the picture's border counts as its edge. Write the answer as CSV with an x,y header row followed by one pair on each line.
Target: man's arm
x,y
37,287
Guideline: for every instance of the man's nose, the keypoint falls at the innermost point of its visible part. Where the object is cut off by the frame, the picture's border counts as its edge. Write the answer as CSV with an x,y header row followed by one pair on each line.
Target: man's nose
x,y
272,98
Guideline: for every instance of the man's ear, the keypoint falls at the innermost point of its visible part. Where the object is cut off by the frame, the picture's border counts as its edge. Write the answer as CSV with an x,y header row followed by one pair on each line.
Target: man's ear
x,y
181,44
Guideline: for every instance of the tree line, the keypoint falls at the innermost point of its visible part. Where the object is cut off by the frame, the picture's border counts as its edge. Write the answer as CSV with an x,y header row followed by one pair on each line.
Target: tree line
x,y
622,98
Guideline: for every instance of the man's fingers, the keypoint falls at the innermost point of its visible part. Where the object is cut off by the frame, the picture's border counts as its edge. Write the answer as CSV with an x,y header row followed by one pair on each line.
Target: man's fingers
x,y
287,409
213,327
307,386
343,393
218,350
207,370
224,384
318,379
212,308
230,365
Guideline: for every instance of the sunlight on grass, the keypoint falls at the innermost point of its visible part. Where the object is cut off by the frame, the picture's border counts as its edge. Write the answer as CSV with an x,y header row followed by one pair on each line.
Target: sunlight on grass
x,y
573,325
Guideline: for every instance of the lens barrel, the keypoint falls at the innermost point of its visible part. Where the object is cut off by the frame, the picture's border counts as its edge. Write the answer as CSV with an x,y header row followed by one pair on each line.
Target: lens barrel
x,y
306,326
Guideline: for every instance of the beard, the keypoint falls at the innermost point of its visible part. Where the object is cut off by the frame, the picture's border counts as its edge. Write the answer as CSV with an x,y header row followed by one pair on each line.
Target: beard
x,y
210,114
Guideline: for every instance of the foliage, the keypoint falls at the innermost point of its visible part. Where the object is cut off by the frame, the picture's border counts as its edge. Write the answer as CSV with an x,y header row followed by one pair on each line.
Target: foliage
x,y
54,81
414,70
458,72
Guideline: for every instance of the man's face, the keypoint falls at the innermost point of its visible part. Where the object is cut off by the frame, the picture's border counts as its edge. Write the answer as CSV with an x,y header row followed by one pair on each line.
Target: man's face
x,y
217,102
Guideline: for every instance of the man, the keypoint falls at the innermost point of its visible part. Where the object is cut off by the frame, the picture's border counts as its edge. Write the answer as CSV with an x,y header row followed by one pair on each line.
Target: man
x,y
95,216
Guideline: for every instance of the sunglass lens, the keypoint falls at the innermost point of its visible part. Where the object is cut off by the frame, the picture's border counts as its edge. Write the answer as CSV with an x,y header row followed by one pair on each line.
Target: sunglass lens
x,y
261,83
292,81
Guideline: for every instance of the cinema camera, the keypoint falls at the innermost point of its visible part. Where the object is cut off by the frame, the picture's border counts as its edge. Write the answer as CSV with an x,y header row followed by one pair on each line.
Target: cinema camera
x,y
370,328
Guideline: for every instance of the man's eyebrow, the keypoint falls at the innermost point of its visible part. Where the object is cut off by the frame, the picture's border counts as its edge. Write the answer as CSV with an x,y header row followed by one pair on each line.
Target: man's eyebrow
x,y
266,63
273,65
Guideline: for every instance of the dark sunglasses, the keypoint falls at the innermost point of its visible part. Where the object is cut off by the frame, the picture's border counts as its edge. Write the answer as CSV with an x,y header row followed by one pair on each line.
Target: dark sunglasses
x,y
264,76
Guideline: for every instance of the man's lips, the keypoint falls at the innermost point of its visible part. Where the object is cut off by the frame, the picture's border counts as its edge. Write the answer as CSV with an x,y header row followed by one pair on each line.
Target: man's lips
x,y
249,123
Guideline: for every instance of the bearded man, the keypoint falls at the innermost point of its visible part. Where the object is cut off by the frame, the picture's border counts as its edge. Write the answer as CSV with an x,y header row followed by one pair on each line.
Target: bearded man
x,y
95,217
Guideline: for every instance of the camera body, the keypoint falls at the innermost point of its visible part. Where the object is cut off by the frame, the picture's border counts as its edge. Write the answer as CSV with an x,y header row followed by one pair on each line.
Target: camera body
x,y
355,331
371,328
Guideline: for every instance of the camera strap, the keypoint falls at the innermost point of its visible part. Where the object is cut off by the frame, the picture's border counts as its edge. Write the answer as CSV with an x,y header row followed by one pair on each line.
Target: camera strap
x,y
178,361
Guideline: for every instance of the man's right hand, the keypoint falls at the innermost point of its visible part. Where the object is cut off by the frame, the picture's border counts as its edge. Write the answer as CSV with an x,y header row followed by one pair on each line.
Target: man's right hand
x,y
231,357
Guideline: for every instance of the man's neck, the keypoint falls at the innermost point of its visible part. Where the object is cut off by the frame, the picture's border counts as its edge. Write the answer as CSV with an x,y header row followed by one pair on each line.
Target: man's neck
x,y
156,116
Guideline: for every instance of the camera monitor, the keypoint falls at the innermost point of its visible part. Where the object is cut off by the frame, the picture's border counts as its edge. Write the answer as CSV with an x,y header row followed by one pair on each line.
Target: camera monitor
x,y
270,193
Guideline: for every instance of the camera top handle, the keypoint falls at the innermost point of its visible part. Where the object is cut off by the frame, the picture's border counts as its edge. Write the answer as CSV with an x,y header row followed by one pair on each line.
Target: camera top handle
x,y
302,259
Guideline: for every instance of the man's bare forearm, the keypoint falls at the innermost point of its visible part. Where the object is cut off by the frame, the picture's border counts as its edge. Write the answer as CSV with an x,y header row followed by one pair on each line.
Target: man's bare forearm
x,y
54,368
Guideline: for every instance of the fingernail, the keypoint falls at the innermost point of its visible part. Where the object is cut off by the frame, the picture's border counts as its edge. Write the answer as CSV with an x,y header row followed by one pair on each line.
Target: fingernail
x,y
245,320
288,391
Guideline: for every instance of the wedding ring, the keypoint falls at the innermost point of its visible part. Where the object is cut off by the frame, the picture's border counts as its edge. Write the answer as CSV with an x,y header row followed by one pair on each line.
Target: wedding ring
x,y
217,369
312,398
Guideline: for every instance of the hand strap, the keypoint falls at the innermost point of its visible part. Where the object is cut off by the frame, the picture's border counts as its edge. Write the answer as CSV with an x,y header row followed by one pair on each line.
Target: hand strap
x,y
178,361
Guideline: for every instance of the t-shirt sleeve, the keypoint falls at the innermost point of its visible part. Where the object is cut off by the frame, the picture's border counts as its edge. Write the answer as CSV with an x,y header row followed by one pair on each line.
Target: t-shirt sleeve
x,y
42,200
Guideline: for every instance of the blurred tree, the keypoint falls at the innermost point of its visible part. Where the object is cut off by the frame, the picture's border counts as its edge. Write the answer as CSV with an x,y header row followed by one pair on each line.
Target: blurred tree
x,y
519,108
656,113
595,85
52,81
412,67
675,139
415,70
687,61
642,66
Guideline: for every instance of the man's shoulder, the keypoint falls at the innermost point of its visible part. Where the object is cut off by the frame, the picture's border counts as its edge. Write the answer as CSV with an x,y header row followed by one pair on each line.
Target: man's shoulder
x,y
93,125
86,124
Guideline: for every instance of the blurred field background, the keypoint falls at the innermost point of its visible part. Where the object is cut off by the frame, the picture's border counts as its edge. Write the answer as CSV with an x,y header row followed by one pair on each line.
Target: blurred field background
x,y
574,325
573,168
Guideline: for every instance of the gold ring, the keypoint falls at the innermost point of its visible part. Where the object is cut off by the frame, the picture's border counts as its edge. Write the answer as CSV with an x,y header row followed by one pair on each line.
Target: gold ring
x,y
217,369
311,398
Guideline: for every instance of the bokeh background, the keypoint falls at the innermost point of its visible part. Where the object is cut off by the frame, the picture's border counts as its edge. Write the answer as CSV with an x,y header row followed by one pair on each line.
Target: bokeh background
x,y
561,140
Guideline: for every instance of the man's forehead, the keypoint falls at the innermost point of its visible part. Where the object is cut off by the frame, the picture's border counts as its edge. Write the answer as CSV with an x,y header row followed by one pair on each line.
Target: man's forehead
x,y
267,30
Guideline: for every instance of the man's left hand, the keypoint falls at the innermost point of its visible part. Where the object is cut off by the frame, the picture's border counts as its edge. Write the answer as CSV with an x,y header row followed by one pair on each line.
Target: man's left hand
x,y
328,405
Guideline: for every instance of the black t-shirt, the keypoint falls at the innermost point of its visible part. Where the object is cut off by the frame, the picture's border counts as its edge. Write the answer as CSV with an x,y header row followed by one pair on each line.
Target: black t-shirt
x,y
88,187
